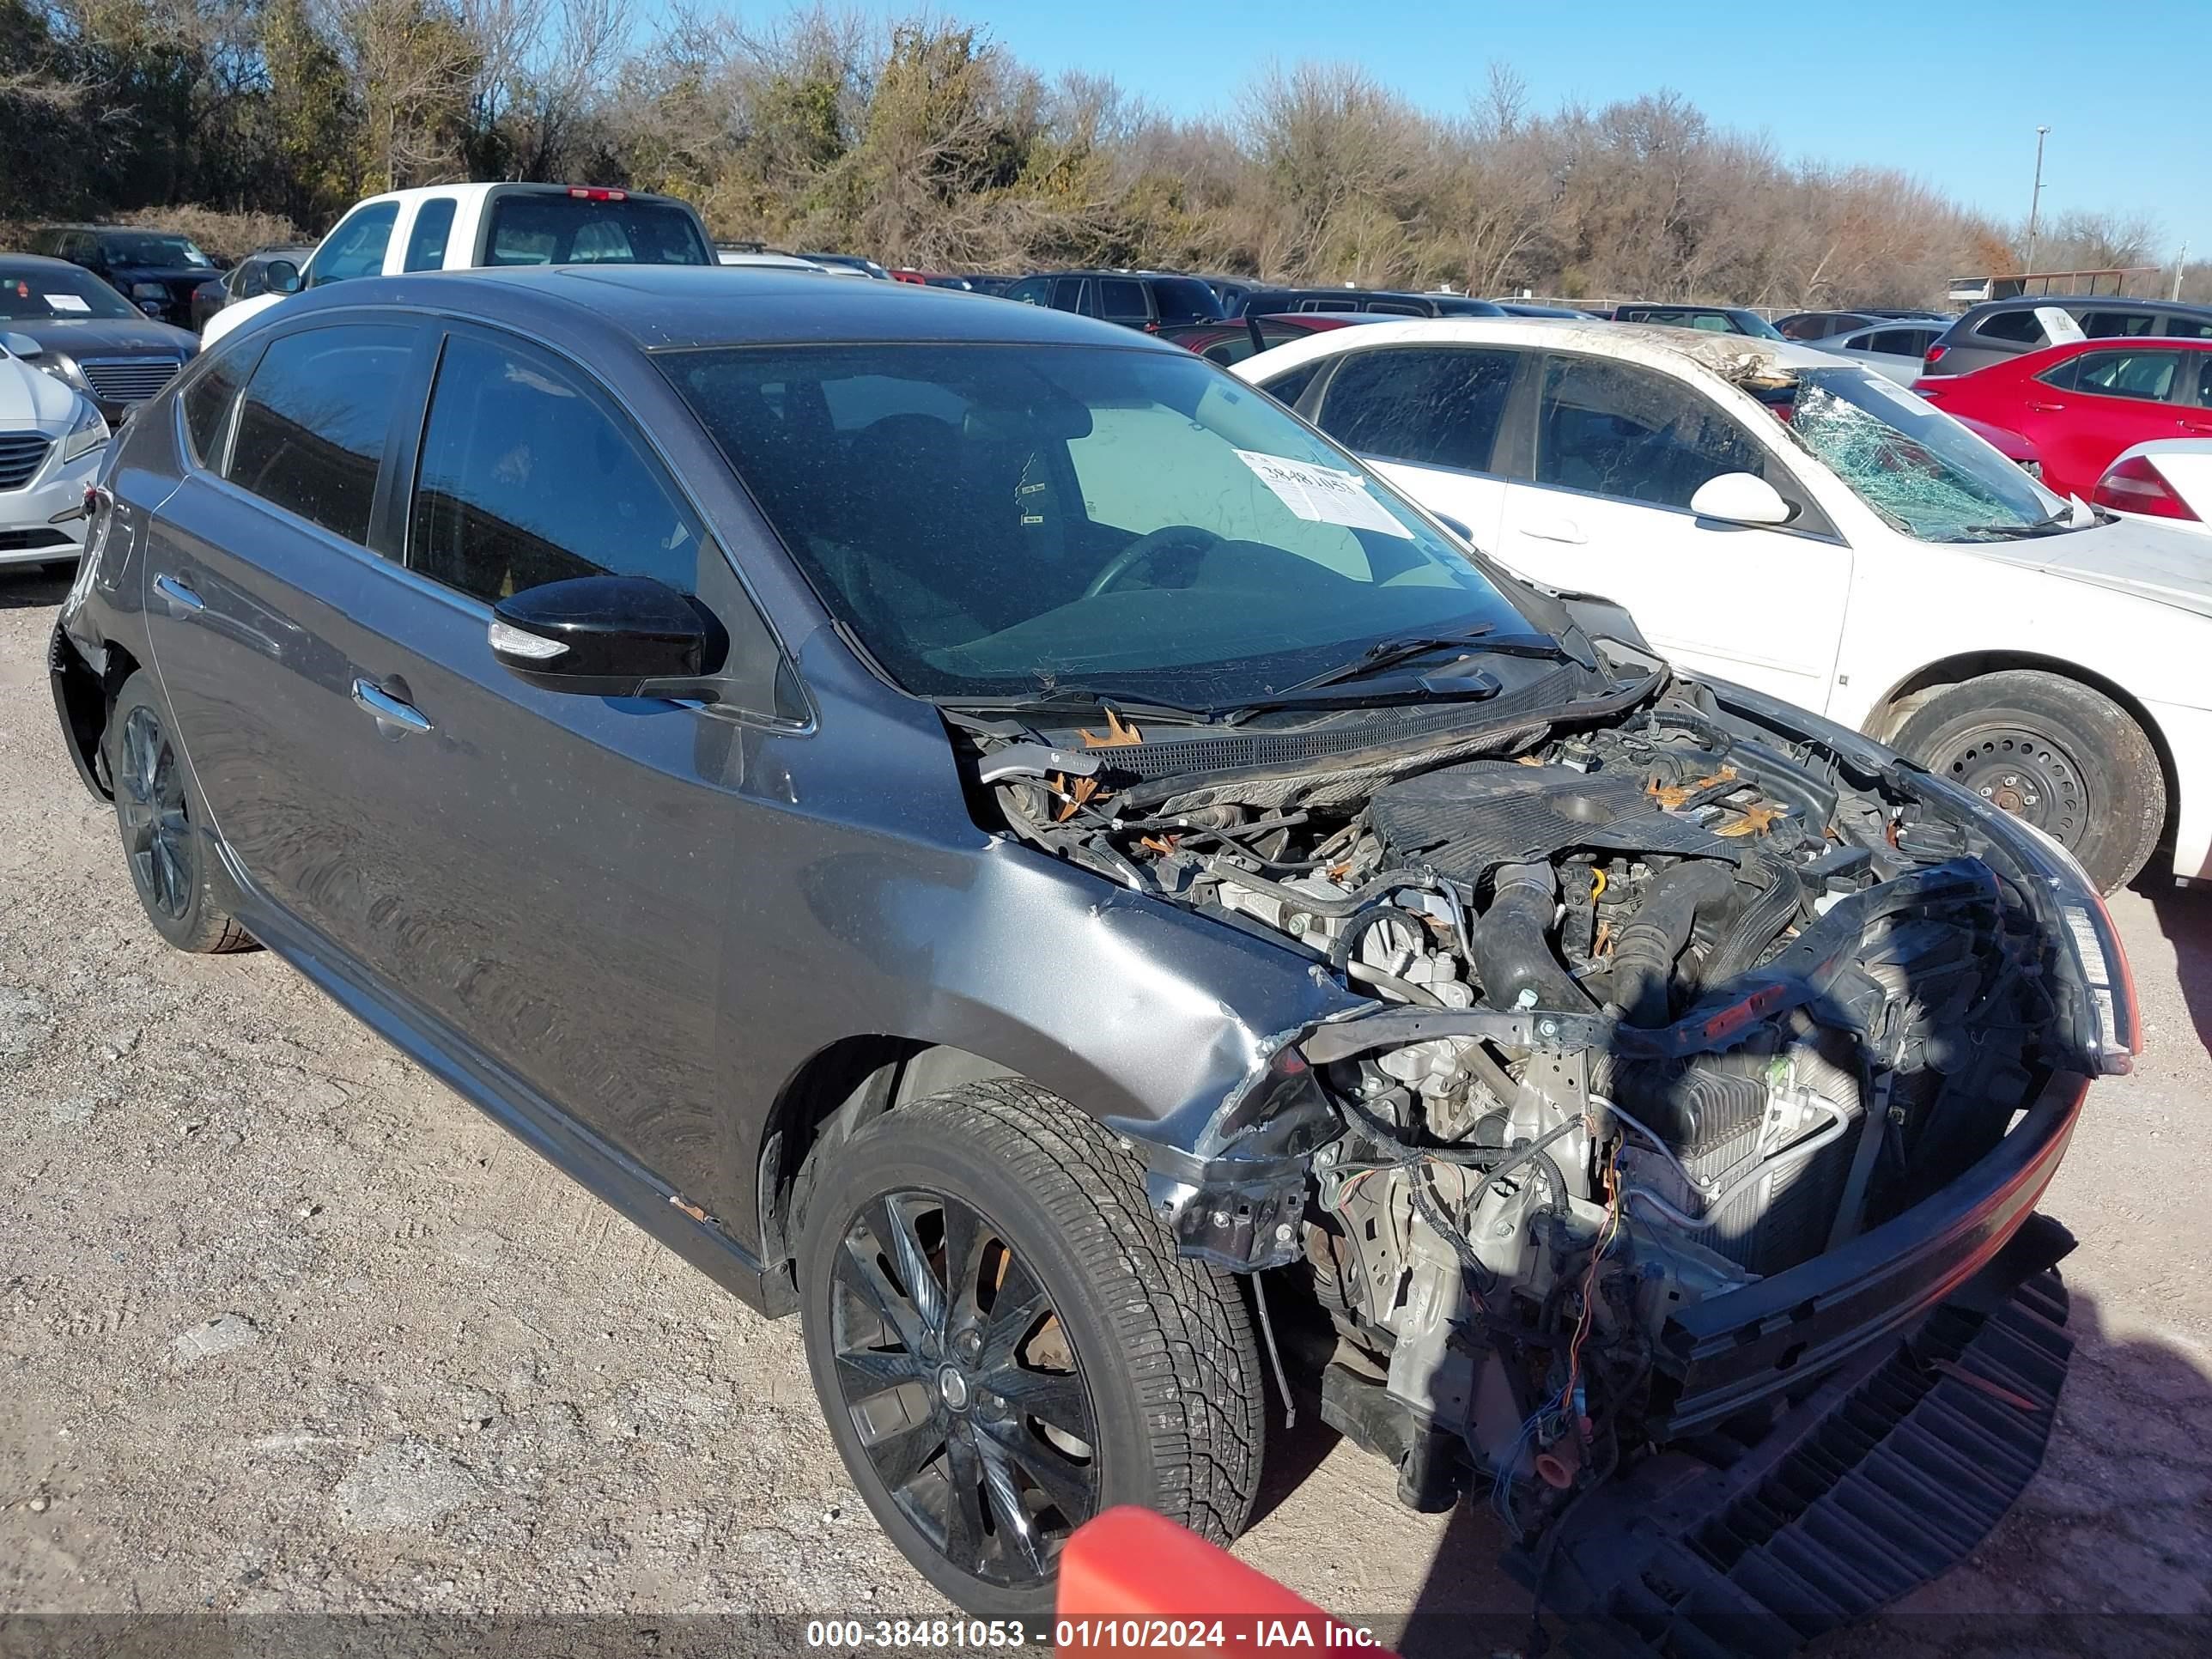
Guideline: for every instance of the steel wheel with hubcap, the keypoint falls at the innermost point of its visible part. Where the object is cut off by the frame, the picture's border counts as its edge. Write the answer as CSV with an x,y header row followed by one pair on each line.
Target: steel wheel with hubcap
x,y
1005,1342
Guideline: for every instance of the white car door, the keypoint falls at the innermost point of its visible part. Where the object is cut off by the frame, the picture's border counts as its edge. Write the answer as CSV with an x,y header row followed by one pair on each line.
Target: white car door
x,y
1616,451
1428,418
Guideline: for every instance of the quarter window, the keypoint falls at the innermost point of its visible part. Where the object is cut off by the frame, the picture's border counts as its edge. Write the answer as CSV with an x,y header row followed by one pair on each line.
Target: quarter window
x,y
526,477
310,431
356,247
1616,429
426,242
1428,406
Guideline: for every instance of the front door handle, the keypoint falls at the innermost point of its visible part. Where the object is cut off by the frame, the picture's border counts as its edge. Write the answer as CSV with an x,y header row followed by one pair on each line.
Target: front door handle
x,y
387,708
1555,530
2046,408
182,600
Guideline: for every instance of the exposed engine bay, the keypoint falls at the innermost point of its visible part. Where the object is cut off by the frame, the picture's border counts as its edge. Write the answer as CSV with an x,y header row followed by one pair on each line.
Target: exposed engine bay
x,y
1661,1006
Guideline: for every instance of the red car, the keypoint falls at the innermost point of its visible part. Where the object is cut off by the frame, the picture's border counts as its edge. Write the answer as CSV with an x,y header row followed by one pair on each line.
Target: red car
x,y
2081,404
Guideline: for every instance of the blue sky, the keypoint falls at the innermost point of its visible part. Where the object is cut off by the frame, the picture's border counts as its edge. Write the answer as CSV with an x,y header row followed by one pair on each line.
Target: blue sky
x,y
1951,93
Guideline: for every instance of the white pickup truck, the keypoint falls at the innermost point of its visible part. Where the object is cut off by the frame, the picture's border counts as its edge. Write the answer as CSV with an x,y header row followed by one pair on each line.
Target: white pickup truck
x,y
464,227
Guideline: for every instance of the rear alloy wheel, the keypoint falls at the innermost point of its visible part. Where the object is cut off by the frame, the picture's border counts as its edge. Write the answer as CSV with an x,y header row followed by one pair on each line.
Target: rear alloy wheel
x,y
1004,1342
180,887
2055,753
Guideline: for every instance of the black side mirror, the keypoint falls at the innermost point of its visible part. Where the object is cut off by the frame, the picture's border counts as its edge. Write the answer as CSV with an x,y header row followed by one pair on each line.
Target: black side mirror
x,y
604,636
280,276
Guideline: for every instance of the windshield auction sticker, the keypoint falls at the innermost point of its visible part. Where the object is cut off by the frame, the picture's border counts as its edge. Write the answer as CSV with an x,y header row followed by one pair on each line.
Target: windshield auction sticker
x,y
1321,494
66,302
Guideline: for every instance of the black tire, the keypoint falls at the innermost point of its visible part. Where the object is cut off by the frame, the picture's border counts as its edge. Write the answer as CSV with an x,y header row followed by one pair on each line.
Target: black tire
x,y
180,886
2050,751
1160,1348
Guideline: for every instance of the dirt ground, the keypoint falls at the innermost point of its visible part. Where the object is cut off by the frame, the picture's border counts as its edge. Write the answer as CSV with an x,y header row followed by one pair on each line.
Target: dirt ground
x,y
285,1326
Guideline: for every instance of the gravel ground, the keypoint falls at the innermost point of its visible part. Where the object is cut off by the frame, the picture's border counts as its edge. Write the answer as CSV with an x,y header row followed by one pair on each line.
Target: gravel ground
x,y
287,1327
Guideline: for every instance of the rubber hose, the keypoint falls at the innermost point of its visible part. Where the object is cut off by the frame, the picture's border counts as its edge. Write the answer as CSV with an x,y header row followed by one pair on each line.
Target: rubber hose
x,y
1512,945
1645,949
1754,929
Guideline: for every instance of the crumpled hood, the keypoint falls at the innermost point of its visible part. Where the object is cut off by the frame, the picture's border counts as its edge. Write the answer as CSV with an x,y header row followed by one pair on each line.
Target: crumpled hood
x,y
95,336
28,398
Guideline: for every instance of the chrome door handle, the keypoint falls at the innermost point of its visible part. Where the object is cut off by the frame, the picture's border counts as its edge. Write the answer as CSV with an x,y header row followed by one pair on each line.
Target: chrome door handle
x,y
387,708
182,601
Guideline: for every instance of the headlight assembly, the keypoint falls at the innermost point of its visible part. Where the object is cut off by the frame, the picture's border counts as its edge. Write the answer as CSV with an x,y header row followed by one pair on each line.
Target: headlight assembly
x,y
148,291
89,432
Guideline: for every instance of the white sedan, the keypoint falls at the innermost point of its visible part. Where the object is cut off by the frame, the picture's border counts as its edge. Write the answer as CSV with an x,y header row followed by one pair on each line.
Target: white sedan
x,y
52,441
2167,481
1777,517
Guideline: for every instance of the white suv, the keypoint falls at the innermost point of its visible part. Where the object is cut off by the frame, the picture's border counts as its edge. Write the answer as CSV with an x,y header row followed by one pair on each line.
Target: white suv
x,y
462,227
52,443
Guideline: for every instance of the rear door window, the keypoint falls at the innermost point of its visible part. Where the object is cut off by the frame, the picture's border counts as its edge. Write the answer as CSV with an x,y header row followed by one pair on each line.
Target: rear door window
x,y
1121,300
1430,406
426,239
310,432
2117,325
2188,328
1067,294
356,247
527,477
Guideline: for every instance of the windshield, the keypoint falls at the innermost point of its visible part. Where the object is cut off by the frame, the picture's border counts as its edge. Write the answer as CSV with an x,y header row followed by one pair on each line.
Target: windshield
x,y
536,229
154,250
997,520
1918,467
30,294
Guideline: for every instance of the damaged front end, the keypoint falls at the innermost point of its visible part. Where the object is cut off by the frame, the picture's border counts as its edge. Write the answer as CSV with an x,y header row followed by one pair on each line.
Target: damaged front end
x,y
1712,1062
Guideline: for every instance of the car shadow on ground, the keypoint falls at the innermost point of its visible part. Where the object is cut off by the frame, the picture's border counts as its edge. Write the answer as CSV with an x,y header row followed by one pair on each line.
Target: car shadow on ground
x,y
2103,1554
24,586
2184,916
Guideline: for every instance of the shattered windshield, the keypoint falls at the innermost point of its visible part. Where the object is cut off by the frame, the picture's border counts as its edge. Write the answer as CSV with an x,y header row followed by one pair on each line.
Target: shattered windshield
x,y
1919,468
996,520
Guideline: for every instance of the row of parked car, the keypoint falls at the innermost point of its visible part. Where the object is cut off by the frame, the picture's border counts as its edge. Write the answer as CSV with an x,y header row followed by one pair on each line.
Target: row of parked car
x,y
1584,454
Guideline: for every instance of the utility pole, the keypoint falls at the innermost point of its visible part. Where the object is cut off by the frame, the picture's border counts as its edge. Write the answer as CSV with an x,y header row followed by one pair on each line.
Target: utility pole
x,y
2180,265
2035,201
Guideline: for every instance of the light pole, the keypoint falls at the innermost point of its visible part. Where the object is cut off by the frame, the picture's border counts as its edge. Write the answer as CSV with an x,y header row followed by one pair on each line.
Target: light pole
x,y
2035,200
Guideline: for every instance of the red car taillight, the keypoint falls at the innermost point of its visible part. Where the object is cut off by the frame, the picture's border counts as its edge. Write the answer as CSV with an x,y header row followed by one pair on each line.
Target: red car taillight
x,y
2134,485
1936,354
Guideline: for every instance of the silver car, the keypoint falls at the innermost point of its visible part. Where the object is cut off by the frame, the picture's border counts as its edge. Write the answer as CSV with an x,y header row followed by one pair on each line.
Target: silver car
x,y
1896,351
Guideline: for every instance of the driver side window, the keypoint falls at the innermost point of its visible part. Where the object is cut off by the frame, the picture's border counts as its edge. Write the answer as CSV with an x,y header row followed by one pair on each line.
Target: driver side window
x,y
1620,430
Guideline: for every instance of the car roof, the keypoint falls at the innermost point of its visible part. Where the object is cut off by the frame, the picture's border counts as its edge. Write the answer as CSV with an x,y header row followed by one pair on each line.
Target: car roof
x,y
39,260
478,191
656,306
1735,357
2102,302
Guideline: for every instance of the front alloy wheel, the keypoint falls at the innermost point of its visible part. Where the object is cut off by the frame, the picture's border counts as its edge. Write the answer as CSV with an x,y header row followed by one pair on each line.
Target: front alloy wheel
x,y
957,1376
1005,1343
